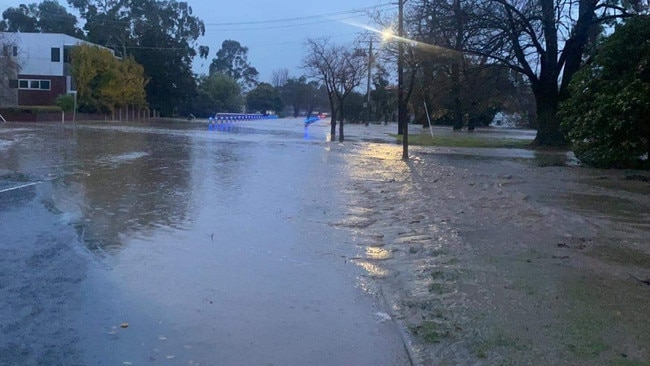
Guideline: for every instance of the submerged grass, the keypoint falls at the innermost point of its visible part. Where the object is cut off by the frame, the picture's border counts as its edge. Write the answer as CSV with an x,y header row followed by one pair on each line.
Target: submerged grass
x,y
586,321
429,331
464,139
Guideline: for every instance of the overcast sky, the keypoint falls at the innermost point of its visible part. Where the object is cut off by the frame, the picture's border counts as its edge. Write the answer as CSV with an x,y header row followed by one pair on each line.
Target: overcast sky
x,y
273,31
274,43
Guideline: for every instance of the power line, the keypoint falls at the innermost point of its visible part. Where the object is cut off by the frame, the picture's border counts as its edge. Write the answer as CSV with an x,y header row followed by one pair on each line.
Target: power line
x,y
308,23
274,44
305,17
313,19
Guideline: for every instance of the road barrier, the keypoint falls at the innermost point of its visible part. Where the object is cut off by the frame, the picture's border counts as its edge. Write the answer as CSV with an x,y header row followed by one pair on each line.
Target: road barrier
x,y
221,118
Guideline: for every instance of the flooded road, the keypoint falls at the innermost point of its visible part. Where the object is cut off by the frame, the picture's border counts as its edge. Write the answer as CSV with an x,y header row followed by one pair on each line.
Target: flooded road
x,y
133,244
263,243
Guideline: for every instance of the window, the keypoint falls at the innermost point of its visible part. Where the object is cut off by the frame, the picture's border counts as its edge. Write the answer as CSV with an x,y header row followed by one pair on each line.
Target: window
x,y
15,51
66,54
56,54
27,84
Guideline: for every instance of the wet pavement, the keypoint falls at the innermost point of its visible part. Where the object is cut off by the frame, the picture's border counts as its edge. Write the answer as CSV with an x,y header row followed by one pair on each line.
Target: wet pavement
x,y
130,244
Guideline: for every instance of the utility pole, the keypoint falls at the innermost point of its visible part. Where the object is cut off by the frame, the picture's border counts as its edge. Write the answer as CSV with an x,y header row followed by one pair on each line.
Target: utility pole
x,y
402,123
368,84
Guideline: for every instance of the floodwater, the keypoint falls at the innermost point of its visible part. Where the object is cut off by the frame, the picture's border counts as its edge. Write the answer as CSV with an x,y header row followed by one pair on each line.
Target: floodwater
x,y
262,243
130,244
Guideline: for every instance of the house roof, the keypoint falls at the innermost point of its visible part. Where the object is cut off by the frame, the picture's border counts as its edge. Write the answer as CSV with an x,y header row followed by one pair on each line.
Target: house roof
x,y
50,38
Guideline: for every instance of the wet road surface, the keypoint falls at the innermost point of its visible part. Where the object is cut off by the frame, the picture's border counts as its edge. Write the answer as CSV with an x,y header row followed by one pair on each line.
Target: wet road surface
x,y
143,244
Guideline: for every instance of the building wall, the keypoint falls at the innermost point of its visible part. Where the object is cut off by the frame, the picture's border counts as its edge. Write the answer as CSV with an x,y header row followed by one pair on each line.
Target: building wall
x,y
35,51
41,56
41,97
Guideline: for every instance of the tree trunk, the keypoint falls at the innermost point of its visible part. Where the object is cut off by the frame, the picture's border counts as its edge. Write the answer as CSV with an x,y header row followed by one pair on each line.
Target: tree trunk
x,y
455,89
341,135
548,123
333,125
471,123
546,89
333,119
455,67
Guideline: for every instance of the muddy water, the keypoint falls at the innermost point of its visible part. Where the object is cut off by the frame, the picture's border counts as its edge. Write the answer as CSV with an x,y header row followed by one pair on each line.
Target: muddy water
x,y
267,244
497,259
173,244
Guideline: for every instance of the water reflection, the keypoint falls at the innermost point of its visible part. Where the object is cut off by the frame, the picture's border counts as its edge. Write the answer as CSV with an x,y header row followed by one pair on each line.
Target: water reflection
x,y
554,158
128,182
106,182
372,269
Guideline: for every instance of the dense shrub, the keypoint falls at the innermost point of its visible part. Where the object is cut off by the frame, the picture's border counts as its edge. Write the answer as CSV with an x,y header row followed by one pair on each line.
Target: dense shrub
x,y
607,117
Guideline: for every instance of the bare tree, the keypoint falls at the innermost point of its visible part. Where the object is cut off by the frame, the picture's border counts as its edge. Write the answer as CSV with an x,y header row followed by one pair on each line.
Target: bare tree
x,y
420,52
341,69
279,77
545,40
9,69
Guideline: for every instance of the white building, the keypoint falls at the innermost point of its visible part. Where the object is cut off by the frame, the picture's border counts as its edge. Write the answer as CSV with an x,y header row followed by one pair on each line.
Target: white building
x,y
44,60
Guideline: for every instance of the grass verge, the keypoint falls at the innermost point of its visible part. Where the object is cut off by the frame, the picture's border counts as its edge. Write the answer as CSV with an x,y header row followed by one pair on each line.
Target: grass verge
x,y
466,140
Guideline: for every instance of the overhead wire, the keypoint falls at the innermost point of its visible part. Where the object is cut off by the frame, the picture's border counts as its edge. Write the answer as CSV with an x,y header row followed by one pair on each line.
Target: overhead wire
x,y
293,22
308,23
302,20
305,17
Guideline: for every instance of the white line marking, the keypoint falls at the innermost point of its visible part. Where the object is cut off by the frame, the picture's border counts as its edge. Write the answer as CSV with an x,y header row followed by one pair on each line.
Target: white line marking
x,y
19,187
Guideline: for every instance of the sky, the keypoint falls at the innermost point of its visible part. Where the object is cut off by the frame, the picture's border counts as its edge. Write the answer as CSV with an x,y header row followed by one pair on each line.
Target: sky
x,y
274,31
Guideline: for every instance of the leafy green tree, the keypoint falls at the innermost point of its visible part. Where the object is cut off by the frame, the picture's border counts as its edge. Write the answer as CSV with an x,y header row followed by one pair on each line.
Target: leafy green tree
x,y
232,60
383,100
90,68
354,109
297,93
123,84
217,94
105,82
160,35
65,102
606,116
20,19
134,82
264,98
54,18
47,17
